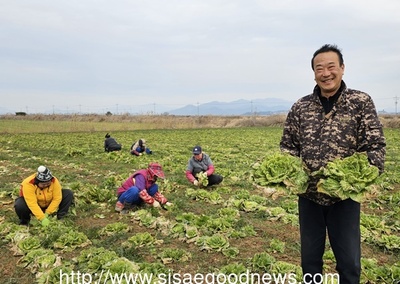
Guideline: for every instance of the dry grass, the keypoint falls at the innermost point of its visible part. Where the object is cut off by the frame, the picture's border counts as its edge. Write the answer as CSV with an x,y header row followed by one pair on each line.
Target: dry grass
x,y
41,123
390,121
94,123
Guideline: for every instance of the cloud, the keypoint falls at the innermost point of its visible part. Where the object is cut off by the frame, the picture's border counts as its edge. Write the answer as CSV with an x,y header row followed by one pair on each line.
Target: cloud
x,y
172,53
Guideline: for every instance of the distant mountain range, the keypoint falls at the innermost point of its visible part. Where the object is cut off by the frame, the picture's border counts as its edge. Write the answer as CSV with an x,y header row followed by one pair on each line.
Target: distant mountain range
x,y
239,107
266,106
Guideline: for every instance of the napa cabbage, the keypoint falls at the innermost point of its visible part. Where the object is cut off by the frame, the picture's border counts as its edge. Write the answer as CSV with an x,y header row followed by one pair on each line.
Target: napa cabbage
x,y
283,171
71,240
213,243
231,252
351,177
39,260
144,239
202,178
262,261
170,255
29,243
114,228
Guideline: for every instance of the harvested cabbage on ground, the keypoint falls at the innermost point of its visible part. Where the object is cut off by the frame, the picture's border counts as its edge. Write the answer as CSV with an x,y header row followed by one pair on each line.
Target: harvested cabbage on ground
x,y
351,177
281,171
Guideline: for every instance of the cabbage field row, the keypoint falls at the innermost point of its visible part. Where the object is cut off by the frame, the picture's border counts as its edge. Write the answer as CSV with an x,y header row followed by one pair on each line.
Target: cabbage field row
x,y
234,227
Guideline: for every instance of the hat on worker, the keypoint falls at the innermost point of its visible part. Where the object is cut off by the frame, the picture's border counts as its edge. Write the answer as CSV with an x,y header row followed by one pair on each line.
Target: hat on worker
x,y
197,150
43,174
156,170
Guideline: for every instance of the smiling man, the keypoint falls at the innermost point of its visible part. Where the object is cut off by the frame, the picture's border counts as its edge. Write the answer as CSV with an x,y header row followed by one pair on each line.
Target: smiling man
x,y
328,70
332,122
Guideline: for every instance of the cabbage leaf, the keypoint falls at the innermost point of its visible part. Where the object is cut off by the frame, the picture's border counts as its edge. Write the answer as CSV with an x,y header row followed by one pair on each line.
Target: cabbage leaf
x,y
351,177
283,171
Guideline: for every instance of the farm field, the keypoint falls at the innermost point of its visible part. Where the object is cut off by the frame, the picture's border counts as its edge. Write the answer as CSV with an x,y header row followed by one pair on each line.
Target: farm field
x,y
205,231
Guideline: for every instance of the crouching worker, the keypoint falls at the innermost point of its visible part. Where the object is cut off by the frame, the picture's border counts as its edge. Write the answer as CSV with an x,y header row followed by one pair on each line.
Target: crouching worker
x,y
140,147
200,163
110,144
141,188
41,195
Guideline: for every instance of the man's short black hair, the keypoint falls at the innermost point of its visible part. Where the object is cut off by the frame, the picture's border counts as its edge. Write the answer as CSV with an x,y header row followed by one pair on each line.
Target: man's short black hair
x,y
327,48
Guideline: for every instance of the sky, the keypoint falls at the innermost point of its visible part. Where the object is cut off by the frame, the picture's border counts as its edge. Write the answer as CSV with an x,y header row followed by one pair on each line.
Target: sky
x,y
131,56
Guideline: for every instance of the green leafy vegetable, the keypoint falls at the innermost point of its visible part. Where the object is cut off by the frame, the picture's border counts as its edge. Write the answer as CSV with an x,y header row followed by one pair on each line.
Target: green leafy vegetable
x,y
94,259
233,268
29,243
39,260
142,240
121,265
283,267
72,240
230,252
53,275
191,234
283,171
202,178
170,255
276,245
216,243
113,228
201,194
350,177
262,261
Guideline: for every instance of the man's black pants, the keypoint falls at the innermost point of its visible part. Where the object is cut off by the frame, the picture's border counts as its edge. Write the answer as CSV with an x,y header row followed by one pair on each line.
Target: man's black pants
x,y
342,222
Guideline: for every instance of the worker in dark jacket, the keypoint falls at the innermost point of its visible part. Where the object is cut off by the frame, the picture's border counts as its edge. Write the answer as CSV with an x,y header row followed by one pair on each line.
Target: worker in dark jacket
x,y
110,144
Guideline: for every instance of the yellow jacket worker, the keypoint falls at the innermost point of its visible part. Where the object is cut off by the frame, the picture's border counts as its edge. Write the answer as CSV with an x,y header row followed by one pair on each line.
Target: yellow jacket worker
x,y
41,195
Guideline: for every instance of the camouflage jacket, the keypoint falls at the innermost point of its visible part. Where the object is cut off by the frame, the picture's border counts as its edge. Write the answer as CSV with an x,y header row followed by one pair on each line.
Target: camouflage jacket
x,y
351,126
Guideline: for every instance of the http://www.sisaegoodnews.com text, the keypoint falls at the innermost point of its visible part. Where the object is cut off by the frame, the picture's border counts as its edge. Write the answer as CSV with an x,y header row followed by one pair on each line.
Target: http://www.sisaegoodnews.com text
x,y
78,277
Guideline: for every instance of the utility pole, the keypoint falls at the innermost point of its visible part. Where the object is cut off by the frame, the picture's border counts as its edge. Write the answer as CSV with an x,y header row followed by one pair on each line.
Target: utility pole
x,y
252,113
395,103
